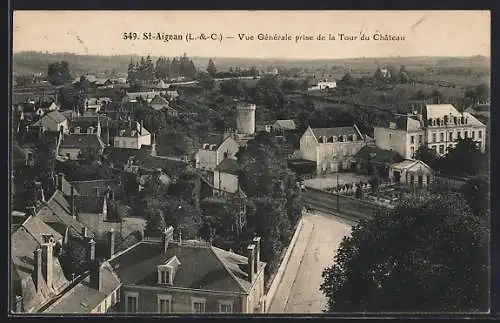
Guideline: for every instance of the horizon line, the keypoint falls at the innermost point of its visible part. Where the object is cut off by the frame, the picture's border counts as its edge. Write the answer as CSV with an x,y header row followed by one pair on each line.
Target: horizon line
x,y
250,58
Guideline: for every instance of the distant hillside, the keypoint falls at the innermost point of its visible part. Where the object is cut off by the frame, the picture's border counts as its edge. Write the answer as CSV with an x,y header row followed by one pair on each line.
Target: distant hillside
x,y
35,62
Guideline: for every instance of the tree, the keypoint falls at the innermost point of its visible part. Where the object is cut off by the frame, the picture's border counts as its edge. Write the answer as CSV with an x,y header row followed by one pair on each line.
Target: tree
x,y
464,158
58,73
378,76
232,87
347,80
155,223
411,259
211,70
477,193
436,96
427,155
205,81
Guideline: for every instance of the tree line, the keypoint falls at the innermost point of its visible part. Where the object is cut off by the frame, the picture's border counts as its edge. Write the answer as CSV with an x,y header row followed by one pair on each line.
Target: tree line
x,y
164,68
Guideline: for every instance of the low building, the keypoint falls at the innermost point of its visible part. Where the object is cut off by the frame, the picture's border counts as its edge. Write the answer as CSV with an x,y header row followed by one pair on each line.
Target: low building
x,y
74,146
214,149
333,149
226,176
139,96
281,126
53,121
175,276
134,136
411,172
323,85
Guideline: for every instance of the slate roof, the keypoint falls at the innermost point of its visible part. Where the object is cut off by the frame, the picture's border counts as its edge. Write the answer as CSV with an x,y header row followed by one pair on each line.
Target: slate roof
x,y
159,100
85,121
378,155
337,131
89,187
54,116
202,266
285,124
229,166
439,110
83,298
85,141
24,241
406,164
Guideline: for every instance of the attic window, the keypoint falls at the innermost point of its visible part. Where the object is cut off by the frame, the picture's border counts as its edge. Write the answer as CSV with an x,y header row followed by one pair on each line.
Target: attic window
x,y
206,146
320,140
213,147
330,139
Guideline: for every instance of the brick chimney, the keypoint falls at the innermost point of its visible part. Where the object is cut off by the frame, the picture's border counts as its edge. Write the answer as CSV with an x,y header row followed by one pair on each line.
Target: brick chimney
x,y
73,211
37,270
256,242
251,262
91,250
85,232
30,211
95,275
48,261
167,237
60,179
111,243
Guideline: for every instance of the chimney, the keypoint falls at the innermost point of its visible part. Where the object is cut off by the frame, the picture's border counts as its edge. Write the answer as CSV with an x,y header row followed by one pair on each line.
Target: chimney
x,y
167,237
85,232
256,242
48,262
96,191
142,126
73,211
18,307
31,211
111,242
91,250
60,181
95,275
38,276
251,262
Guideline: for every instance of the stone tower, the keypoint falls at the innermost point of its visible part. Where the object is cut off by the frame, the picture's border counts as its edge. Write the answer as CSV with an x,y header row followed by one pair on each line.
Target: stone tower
x,y
245,119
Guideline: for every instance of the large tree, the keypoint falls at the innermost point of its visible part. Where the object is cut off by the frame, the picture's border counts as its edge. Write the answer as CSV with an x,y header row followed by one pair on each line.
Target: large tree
x,y
464,158
428,254
211,69
58,73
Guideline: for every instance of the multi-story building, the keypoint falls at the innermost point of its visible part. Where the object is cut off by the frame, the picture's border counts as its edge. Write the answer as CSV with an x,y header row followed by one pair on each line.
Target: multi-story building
x,y
134,136
438,127
332,149
167,276
215,148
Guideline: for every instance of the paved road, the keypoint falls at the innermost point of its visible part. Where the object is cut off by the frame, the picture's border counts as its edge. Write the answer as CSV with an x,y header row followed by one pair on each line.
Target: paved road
x,y
326,235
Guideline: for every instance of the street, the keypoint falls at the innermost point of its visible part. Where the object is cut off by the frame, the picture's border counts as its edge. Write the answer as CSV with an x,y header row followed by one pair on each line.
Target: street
x,y
299,291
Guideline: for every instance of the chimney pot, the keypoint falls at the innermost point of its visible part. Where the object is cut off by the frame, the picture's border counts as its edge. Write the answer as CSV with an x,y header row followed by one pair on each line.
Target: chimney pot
x,y
48,263
84,232
256,242
91,250
37,255
95,275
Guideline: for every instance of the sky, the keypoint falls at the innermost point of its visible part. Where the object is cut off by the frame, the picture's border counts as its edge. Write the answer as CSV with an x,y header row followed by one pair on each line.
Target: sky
x,y
426,33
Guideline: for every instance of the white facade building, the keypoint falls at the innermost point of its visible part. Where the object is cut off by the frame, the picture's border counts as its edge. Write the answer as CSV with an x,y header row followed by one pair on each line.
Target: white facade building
x,y
332,149
214,150
438,127
245,119
133,137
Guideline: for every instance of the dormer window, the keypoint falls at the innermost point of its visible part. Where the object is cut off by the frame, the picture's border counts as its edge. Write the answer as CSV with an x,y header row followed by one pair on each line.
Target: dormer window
x,y
77,129
455,120
166,272
438,122
320,140
213,147
90,130
330,139
445,120
122,132
430,121
206,146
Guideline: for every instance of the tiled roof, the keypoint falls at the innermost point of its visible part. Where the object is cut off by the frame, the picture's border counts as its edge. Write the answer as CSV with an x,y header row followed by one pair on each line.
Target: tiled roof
x,y
97,187
54,116
122,155
378,155
23,244
471,120
406,164
439,110
214,139
285,124
83,298
337,131
37,228
202,266
89,141
159,100
229,166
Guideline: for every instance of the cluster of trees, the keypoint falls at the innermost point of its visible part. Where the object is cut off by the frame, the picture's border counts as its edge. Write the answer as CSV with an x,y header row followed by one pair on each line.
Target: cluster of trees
x,y
464,159
412,259
146,70
478,94
393,76
58,73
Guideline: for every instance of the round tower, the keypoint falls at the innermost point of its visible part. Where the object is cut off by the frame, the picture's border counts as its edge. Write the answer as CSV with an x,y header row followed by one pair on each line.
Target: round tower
x,y
245,119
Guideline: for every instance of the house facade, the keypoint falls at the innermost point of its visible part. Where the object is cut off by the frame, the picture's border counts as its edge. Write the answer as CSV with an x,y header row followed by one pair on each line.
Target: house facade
x,y
411,172
226,176
53,121
333,149
134,136
214,150
438,126
164,276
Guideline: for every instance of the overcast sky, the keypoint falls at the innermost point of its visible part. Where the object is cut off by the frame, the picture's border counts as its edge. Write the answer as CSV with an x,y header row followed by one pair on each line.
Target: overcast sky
x,y
427,33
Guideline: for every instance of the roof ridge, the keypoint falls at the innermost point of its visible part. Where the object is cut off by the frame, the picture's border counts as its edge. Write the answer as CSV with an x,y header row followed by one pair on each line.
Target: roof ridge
x,y
233,276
